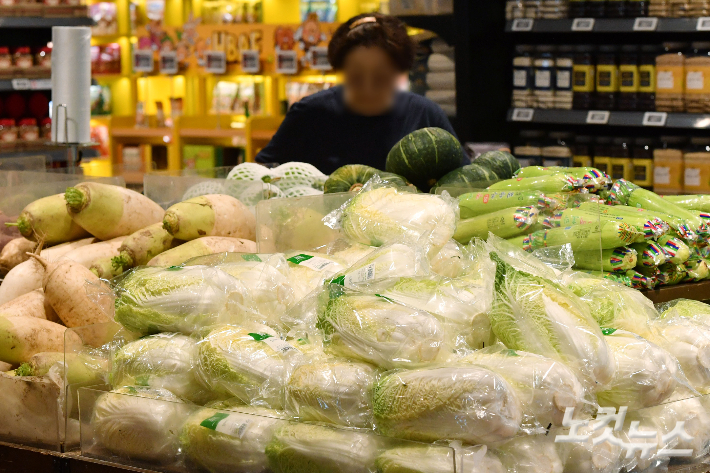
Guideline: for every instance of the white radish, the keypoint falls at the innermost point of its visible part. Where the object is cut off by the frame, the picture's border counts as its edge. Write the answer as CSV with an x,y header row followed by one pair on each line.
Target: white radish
x,y
64,287
5,366
202,247
47,219
15,252
108,211
27,276
142,246
87,255
22,337
210,215
105,269
32,304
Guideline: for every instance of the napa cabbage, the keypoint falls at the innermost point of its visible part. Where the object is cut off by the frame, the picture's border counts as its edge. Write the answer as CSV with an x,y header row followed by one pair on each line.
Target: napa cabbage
x,y
390,261
332,391
536,315
530,454
231,442
450,261
437,459
545,387
164,360
689,342
377,330
319,449
308,270
466,403
588,456
695,310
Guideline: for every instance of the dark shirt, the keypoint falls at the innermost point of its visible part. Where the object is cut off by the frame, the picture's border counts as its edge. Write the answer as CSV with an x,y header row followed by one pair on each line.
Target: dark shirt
x,y
320,130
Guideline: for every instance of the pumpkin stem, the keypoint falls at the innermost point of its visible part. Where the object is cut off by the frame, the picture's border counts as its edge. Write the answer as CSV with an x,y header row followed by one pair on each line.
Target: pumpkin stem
x,y
356,187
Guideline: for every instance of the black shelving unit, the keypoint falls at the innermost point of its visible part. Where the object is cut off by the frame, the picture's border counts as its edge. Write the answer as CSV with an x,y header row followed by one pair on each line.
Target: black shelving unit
x,y
684,121
25,84
642,25
42,22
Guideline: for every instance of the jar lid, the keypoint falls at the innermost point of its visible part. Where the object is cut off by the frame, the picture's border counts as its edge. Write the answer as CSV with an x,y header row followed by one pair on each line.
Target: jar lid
x,y
644,141
608,49
46,121
584,48
700,45
649,48
22,50
583,139
545,48
621,141
565,48
4,50
7,122
675,45
46,49
524,48
603,140
28,122
629,48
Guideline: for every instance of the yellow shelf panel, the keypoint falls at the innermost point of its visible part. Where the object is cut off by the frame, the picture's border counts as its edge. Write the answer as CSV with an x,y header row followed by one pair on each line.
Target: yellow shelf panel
x,y
139,133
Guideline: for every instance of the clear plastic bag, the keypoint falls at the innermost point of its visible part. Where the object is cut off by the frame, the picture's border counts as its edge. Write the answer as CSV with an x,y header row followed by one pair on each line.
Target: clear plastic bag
x,y
545,387
449,261
587,457
139,423
466,403
696,310
418,459
332,391
530,454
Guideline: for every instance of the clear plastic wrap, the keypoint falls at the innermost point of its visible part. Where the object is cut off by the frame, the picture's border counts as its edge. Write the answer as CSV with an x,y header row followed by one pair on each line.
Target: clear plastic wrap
x,y
348,251
381,215
590,236
137,423
474,204
588,457
530,454
676,251
233,442
649,254
550,183
537,315
545,387
417,459
332,391
688,308
377,330
506,223
697,269
579,216
645,374
689,341
449,261
471,404
165,360
308,270
252,364
672,273
612,259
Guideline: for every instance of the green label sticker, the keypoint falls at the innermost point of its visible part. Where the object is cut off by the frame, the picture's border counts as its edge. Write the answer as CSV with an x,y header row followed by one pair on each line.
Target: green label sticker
x,y
259,336
608,331
174,268
298,259
251,257
510,352
385,298
340,280
211,422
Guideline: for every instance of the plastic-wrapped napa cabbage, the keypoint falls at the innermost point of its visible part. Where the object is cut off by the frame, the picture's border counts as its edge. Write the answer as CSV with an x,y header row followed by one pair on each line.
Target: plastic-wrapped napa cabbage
x,y
689,341
687,308
377,330
308,270
385,215
449,261
530,454
230,442
545,387
537,315
645,374
332,391
471,404
348,251
176,299
588,457
319,449
139,423
390,261
251,364
437,459
165,360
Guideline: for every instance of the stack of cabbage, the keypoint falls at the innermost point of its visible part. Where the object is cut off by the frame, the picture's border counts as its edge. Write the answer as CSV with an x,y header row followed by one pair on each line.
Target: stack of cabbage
x,y
398,330
645,239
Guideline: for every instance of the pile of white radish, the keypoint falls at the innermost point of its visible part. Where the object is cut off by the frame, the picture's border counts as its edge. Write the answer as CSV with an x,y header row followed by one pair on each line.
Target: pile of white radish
x,y
72,242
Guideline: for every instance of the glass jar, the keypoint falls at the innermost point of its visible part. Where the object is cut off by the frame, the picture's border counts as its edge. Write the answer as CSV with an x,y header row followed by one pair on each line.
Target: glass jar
x,y
615,9
647,78
544,73
23,58
636,8
659,8
46,129
583,77
602,158
577,8
582,152
642,155
622,166
43,58
529,150
29,131
670,78
696,166
5,59
8,131
523,76
596,8
557,151
607,83
628,78
697,79
514,9
668,165
564,64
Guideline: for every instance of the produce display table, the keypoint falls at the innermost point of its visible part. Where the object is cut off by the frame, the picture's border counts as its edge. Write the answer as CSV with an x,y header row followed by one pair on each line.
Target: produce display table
x,y
699,291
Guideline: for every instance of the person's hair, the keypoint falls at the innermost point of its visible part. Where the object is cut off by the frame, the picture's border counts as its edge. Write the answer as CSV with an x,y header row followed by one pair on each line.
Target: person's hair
x,y
372,30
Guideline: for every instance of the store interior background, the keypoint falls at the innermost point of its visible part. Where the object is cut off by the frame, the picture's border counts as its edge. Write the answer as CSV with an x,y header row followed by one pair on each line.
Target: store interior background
x,y
190,119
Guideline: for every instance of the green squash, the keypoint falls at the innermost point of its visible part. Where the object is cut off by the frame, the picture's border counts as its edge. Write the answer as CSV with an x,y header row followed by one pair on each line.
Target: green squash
x,y
351,178
424,156
502,163
471,176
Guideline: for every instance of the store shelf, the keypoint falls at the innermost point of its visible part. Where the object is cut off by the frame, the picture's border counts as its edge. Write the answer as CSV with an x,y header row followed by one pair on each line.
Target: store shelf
x,y
624,119
142,132
25,84
214,133
612,25
41,22
442,25
699,291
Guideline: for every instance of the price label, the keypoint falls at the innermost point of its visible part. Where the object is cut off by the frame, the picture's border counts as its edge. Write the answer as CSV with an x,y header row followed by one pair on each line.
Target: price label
x,y
523,24
251,62
598,117
523,114
143,61
703,23
646,24
319,59
21,84
583,24
41,84
654,119
215,62
286,62
168,62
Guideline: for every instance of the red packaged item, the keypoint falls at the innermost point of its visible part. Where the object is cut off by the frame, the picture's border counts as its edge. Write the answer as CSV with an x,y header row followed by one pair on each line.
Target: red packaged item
x,y
29,131
5,59
8,131
23,58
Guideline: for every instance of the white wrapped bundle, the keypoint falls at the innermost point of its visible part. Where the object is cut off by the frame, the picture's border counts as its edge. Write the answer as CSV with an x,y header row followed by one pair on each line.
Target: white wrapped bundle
x,y
530,454
689,342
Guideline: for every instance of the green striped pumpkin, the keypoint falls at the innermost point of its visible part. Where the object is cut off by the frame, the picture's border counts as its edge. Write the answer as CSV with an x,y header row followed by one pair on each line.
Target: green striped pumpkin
x,y
502,163
351,178
471,176
424,156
